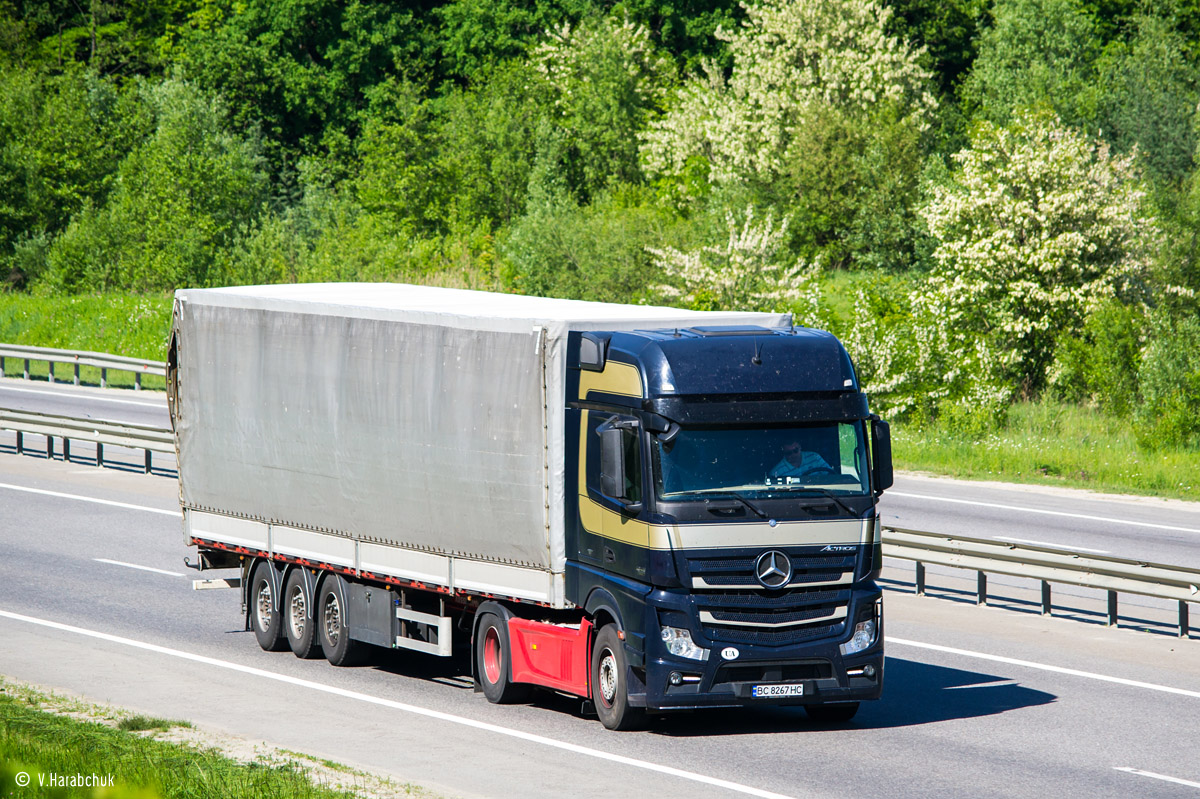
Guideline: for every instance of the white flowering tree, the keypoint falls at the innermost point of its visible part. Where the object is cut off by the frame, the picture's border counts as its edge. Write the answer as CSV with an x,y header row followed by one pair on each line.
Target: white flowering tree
x,y
743,272
789,57
604,77
1035,227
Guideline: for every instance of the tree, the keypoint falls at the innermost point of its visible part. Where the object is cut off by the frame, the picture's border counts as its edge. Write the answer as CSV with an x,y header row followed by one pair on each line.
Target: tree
x,y
748,271
1036,226
61,141
1035,53
822,117
181,196
301,69
1150,89
791,57
604,78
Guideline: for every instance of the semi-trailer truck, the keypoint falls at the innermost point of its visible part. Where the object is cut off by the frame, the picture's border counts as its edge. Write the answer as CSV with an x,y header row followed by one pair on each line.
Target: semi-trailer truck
x,y
649,508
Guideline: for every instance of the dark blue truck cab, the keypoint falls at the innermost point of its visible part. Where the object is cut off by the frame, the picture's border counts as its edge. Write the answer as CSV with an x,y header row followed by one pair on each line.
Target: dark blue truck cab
x,y
723,518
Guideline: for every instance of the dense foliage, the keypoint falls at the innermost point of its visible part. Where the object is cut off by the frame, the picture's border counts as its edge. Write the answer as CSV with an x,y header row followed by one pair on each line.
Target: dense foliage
x,y
1018,176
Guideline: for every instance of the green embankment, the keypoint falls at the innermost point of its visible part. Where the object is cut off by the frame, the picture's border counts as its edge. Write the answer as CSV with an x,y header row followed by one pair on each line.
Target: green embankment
x,y
117,323
50,750
1052,443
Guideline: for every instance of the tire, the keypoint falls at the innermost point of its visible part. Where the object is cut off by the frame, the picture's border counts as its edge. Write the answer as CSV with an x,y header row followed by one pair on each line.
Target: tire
x,y
333,627
266,622
610,687
295,609
838,713
493,663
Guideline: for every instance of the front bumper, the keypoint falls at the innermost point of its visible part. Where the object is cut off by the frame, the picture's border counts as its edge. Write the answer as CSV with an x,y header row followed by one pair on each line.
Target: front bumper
x,y
731,672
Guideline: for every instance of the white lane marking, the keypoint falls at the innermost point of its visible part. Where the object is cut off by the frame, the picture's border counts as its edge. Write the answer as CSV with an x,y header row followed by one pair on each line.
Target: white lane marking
x,y
1152,775
1046,512
1052,546
406,708
89,397
135,566
44,492
1044,667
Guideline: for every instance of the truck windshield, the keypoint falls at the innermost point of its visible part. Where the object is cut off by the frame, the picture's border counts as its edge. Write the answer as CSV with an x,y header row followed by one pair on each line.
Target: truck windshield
x,y
760,463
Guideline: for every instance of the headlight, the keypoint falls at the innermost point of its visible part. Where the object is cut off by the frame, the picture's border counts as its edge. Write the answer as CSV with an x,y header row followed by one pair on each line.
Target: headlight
x,y
679,642
864,636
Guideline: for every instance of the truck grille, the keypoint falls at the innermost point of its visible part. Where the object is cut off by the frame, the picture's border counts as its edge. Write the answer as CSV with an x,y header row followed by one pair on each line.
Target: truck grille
x,y
738,573
734,608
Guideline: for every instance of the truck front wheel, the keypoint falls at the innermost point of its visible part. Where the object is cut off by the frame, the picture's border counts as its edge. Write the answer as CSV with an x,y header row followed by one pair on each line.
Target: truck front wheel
x,y
265,619
610,684
493,662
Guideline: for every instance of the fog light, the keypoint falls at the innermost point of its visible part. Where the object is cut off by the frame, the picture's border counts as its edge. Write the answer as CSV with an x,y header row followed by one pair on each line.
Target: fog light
x,y
863,638
675,678
679,642
869,671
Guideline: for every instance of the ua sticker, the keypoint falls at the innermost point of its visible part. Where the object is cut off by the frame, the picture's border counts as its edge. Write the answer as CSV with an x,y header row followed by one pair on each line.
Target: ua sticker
x,y
730,653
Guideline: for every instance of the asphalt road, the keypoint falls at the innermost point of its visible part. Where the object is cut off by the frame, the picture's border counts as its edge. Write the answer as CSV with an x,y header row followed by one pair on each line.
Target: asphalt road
x,y
1141,528
88,402
979,702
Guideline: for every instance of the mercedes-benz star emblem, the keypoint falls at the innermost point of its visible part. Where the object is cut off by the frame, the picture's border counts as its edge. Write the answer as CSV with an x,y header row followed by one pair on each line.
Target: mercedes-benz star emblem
x,y
773,569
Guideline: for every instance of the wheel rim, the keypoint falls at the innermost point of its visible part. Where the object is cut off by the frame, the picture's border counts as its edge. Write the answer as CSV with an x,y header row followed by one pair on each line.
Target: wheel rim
x,y
263,605
608,677
491,655
298,609
333,620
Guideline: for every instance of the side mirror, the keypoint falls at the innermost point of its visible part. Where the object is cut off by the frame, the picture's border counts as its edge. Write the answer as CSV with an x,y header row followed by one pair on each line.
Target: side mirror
x,y
881,454
612,468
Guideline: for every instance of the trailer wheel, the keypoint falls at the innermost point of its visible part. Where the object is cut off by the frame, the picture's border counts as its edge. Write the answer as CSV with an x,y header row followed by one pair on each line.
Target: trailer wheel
x,y
334,627
493,662
295,609
838,713
266,621
610,685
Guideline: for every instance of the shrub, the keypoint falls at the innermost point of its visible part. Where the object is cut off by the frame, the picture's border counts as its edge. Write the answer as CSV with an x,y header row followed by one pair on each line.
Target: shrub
x,y
1169,414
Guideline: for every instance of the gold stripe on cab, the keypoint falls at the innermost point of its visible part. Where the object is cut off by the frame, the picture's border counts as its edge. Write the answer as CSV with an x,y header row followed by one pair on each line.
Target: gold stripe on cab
x,y
599,520
617,378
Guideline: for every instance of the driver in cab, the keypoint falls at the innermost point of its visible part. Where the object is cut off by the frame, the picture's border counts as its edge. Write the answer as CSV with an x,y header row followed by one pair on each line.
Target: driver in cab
x,y
798,462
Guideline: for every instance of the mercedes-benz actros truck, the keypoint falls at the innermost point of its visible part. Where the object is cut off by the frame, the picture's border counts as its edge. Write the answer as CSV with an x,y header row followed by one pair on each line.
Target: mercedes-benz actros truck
x,y
652,509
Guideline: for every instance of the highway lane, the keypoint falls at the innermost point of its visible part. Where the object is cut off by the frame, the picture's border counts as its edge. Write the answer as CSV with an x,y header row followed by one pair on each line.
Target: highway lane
x,y
88,402
1140,528
950,722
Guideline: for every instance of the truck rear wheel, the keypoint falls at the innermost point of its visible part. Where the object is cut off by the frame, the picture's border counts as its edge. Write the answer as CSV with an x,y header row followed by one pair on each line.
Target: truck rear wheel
x,y
334,626
265,620
838,713
493,662
610,683
296,610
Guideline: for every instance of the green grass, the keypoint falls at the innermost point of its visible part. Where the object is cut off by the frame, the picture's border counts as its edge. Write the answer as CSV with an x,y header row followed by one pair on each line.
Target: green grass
x,y
119,324
145,723
1051,443
36,742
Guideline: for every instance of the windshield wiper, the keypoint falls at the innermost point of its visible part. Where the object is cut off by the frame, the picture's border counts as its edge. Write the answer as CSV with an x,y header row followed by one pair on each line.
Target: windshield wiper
x,y
827,493
708,503
758,511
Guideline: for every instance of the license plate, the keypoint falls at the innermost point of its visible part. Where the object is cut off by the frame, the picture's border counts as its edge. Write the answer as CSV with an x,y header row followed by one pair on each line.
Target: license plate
x,y
769,691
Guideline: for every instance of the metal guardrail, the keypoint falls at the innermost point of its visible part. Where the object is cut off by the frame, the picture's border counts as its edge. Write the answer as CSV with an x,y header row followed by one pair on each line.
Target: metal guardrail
x,y
1114,575
68,428
102,361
